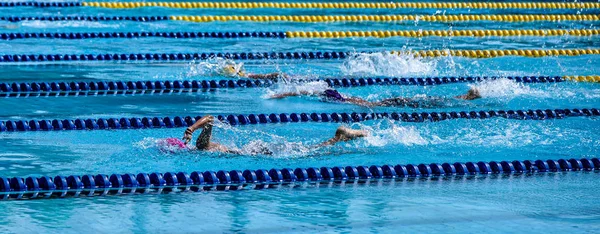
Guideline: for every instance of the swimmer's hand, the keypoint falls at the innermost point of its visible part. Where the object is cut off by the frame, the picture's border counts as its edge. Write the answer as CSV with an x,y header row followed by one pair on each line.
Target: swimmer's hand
x,y
206,120
187,136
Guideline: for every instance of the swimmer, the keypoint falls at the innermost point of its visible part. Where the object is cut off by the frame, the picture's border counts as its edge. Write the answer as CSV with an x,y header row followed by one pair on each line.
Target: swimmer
x,y
237,70
204,143
332,95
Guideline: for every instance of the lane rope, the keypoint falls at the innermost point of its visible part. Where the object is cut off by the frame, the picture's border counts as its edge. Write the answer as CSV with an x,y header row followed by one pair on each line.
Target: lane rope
x,y
309,34
443,33
251,119
102,88
318,18
351,5
319,55
13,188
388,18
318,5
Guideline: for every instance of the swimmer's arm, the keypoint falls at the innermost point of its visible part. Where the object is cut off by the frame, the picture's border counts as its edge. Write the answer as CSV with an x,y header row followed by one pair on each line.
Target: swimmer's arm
x,y
187,135
359,101
270,76
224,149
290,94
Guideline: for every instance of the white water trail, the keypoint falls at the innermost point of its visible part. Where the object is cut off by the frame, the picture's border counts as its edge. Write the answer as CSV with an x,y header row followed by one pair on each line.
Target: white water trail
x,y
387,64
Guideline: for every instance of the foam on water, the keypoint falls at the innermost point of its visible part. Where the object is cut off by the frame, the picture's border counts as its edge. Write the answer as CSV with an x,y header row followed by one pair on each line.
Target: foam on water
x,y
210,67
387,64
505,88
504,133
388,132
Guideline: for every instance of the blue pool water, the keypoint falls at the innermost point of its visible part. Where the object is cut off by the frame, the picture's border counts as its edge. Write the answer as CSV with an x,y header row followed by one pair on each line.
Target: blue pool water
x,y
552,202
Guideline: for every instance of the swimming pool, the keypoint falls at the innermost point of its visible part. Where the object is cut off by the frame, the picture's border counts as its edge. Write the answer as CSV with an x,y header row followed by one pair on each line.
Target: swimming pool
x,y
494,202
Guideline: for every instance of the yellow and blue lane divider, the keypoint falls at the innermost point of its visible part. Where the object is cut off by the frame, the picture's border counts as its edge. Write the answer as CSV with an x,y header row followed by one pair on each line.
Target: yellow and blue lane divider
x,y
123,123
315,5
90,185
314,55
322,18
102,88
312,34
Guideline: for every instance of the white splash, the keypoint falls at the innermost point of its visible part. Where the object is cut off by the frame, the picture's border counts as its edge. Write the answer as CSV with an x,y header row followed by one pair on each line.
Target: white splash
x,y
387,64
387,132
505,88
281,149
211,67
158,143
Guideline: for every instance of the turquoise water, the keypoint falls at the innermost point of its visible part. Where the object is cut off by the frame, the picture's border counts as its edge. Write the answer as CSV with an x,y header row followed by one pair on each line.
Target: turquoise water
x,y
554,202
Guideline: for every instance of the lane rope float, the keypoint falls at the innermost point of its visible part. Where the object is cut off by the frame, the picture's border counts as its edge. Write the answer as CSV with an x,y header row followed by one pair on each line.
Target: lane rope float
x,y
309,34
317,5
100,88
251,119
319,55
317,18
13,188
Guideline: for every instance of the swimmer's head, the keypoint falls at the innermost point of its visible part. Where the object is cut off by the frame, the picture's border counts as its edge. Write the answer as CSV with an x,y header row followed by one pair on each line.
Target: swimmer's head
x,y
171,145
333,95
175,143
233,70
472,94
261,150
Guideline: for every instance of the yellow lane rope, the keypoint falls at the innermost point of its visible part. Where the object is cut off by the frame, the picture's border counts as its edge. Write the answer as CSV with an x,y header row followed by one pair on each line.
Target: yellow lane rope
x,y
385,18
594,78
442,33
499,53
350,5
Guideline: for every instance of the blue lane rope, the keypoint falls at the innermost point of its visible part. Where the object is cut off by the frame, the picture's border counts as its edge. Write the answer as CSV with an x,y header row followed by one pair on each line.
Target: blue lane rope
x,y
40,4
126,184
173,56
15,58
13,36
80,88
177,121
85,18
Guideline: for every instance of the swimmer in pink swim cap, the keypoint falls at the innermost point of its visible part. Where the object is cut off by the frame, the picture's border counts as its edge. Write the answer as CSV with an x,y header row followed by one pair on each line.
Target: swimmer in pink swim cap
x,y
203,142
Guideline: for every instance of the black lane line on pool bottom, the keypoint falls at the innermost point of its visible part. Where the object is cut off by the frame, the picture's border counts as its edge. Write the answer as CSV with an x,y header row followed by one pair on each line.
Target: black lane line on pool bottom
x,y
174,122
143,183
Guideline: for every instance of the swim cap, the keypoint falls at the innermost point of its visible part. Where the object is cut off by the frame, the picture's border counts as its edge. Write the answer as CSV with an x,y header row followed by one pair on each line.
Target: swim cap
x,y
232,70
333,95
175,142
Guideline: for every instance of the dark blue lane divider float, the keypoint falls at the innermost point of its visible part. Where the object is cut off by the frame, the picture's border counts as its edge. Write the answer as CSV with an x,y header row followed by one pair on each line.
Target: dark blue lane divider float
x,y
15,58
40,4
75,88
175,122
86,35
85,18
127,184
